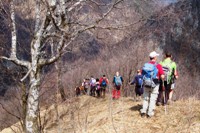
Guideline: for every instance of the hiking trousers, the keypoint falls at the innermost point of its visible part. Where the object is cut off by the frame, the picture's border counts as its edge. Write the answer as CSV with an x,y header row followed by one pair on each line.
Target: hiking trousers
x,y
150,96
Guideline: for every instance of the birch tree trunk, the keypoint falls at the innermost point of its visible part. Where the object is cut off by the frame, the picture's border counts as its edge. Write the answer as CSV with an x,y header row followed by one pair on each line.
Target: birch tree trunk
x,y
49,23
32,125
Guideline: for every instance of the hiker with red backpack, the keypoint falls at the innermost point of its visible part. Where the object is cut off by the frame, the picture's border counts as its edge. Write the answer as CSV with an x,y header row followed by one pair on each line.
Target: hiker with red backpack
x,y
170,72
117,83
138,81
152,72
103,83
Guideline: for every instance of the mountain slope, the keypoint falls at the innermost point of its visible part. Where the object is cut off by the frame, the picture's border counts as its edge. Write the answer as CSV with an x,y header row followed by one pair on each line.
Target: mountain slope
x,y
91,115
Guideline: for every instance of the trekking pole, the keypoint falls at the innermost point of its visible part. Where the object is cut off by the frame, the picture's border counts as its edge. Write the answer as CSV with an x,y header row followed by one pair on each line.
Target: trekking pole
x,y
164,98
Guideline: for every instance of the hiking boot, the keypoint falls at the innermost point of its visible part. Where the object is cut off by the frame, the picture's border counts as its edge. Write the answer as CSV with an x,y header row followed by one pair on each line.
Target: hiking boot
x,y
143,115
148,116
158,103
169,102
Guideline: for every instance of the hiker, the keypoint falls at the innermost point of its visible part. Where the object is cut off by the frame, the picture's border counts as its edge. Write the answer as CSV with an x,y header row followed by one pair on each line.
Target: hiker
x,y
92,86
151,72
138,81
86,85
78,91
98,88
117,82
82,91
103,83
169,68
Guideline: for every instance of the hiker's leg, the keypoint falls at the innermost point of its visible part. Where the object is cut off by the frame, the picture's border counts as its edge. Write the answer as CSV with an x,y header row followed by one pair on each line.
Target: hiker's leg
x,y
118,94
167,87
136,93
85,90
171,91
94,89
98,92
145,100
160,95
152,102
104,92
114,93
118,91
170,94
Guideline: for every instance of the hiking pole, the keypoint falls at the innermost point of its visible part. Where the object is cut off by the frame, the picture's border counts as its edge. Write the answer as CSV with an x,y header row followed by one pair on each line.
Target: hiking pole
x,y
164,98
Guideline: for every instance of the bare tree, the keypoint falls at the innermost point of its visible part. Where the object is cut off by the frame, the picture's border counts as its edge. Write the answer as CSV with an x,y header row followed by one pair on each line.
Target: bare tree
x,y
53,19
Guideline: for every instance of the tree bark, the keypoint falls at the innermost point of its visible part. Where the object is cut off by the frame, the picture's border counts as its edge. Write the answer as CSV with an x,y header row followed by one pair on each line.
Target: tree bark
x,y
59,80
32,125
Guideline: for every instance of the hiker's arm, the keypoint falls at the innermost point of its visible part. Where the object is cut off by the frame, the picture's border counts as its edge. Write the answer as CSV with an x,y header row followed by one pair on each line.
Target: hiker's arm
x,y
113,81
176,74
107,81
133,81
175,70
122,79
100,81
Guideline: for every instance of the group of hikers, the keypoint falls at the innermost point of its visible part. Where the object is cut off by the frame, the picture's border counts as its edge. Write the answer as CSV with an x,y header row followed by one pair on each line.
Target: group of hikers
x,y
98,86
155,82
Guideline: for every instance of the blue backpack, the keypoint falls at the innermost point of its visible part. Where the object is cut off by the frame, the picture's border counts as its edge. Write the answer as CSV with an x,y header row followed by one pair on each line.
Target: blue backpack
x,y
103,83
118,80
139,80
149,72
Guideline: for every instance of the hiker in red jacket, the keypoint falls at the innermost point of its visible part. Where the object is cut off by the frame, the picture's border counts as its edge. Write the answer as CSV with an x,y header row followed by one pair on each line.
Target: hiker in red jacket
x,y
152,73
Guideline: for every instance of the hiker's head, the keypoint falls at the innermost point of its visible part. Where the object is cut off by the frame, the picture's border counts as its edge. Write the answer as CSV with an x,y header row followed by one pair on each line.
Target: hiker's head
x,y
168,55
104,75
117,73
153,55
138,71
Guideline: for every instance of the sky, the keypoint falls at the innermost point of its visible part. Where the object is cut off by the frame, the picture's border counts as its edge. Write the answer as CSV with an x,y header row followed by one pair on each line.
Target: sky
x,y
167,2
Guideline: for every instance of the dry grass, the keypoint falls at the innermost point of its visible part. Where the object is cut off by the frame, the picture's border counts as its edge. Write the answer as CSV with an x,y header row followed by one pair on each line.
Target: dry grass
x,y
91,115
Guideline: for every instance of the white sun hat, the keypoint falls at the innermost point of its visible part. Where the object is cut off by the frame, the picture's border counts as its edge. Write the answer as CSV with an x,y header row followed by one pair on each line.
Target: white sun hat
x,y
153,54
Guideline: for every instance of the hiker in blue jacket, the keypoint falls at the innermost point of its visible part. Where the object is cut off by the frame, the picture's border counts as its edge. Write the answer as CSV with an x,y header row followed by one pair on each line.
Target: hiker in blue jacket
x,y
138,81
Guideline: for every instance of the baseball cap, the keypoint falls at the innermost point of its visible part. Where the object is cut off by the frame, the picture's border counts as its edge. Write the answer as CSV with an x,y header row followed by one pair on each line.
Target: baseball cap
x,y
153,54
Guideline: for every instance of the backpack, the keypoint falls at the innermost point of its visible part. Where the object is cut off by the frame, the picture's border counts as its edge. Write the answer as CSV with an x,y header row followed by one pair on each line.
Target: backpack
x,y
167,71
103,83
118,80
149,73
93,82
86,85
98,87
139,80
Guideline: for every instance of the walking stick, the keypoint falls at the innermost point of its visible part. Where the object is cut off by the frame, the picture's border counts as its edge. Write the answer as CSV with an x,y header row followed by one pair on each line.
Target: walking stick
x,y
164,98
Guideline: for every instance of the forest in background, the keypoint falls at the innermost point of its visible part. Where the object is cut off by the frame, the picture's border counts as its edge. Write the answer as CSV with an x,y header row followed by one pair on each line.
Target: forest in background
x,y
105,50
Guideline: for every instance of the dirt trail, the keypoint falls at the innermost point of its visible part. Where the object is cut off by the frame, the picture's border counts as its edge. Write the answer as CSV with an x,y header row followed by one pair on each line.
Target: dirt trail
x,y
92,115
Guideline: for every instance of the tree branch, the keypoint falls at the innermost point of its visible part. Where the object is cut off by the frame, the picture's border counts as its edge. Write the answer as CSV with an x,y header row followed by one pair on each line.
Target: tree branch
x,y
75,5
16,61
10,113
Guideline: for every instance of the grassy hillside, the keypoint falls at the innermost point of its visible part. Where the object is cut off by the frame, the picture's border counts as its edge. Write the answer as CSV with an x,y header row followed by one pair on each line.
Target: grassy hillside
x,y
92,115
